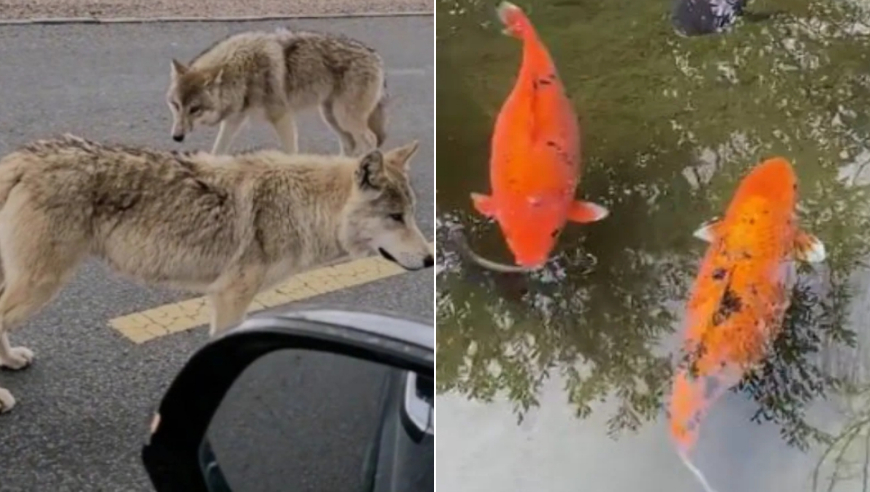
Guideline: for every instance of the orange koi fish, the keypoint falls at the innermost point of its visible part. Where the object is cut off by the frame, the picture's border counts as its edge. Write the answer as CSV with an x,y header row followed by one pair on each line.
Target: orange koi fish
x,y
535,155
740,296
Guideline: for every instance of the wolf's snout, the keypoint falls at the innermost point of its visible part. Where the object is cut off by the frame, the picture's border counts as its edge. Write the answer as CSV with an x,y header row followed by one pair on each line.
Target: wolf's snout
x,y
178,138
416,264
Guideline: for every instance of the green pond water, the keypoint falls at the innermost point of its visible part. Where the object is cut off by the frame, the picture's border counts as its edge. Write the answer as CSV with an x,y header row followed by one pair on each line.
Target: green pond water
x,y
559,378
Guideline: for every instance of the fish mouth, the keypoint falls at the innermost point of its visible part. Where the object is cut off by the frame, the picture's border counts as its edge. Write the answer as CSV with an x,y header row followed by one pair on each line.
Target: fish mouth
x,y
532,265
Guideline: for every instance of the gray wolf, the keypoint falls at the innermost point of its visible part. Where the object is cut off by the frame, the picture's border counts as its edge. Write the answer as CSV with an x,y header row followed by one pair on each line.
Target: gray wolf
x,y
274,75
227,226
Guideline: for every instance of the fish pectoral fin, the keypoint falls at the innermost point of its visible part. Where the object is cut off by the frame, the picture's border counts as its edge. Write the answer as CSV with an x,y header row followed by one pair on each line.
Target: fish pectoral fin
x,y
708,230
483,204
809,248
585,212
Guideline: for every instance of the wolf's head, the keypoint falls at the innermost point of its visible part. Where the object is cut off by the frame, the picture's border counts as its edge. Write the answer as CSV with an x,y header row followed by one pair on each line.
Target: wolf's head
x,y
379,217
193,98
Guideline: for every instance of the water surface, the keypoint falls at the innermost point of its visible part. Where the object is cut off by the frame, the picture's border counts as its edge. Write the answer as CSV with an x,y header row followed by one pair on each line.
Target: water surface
x,y
557,380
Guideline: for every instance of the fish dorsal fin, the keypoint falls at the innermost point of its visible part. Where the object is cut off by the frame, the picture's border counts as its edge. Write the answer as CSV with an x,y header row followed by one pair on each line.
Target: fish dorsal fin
x,y
809,248
709,230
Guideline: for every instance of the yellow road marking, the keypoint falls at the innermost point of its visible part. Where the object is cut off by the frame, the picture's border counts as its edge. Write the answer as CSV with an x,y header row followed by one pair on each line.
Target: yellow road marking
x,y
180,316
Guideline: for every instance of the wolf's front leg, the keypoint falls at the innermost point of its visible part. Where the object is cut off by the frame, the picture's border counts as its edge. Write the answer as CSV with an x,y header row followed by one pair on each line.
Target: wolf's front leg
x,y
227,133
230,301
227,311
285,126
14,358
7,401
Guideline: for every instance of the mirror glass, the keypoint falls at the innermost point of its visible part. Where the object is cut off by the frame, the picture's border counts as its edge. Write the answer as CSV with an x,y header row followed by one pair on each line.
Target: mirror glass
x,y
305,421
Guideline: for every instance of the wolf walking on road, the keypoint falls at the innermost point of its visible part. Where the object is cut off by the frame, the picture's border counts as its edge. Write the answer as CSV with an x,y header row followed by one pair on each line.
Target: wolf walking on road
x,y
275,75
227,226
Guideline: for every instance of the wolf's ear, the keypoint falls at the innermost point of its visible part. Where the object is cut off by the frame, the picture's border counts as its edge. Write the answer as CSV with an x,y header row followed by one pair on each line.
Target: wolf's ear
x,y
178,69
401,157
216,80
370,171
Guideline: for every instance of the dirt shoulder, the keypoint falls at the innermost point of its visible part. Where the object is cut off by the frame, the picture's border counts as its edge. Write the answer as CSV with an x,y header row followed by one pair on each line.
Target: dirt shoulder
x,y
22,9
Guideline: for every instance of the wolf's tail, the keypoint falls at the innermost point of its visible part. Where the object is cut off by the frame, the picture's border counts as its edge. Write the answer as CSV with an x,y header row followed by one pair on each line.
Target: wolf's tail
x,y
378,117
10,176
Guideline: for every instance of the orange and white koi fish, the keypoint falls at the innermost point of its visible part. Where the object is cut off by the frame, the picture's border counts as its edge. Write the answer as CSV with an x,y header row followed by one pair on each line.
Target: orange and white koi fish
x,y
740,295
535,156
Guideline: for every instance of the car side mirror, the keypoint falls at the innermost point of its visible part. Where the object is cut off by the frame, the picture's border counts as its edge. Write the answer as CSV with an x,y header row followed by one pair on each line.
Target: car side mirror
x,y
310,400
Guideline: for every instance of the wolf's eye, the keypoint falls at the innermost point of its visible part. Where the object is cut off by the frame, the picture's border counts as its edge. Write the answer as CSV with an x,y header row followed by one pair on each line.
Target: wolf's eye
x,y
398,218
196,109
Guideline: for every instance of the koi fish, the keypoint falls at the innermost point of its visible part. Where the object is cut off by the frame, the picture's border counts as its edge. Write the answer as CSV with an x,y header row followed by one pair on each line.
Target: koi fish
x,y
535,156
740,295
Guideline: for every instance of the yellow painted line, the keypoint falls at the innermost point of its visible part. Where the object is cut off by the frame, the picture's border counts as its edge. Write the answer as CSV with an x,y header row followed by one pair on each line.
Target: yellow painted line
x,y
180,316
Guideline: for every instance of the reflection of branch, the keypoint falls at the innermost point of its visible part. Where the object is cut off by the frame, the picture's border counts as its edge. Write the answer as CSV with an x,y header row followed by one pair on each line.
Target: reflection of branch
x,y
845,440
866,460
825,457
859,171
839,460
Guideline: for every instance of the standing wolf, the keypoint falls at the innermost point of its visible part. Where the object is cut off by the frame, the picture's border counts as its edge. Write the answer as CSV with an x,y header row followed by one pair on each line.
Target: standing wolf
x,y
276,74
225,226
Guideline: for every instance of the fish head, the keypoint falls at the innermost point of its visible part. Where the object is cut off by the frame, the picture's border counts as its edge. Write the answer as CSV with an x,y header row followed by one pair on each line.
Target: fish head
x,y
531,226
774,179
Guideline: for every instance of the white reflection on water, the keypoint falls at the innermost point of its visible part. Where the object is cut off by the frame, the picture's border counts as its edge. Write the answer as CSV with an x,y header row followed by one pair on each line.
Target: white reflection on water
x,y
557,452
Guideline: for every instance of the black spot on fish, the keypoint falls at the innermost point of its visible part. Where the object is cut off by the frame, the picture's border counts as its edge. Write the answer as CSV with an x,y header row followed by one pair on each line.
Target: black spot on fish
x,y
719,273
554,233
746,256
563,155
728,305
545,81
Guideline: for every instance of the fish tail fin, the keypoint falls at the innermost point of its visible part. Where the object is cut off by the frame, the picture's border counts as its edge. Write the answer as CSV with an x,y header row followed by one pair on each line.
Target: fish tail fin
x,y
515,20
684,457
685,409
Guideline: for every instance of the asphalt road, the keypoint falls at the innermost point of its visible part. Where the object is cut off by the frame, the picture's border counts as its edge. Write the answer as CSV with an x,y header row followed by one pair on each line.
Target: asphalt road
x,y
85,404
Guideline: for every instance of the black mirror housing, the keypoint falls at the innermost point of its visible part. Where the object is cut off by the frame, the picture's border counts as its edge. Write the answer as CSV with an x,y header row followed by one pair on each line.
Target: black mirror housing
x,y
172,453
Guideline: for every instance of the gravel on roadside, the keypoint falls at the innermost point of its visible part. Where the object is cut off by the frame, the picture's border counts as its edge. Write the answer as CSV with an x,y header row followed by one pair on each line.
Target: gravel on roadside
x,y
23,9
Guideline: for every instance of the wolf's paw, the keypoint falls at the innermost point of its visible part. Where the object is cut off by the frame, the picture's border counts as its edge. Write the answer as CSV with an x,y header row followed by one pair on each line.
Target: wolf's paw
x,y
19,358
7,401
